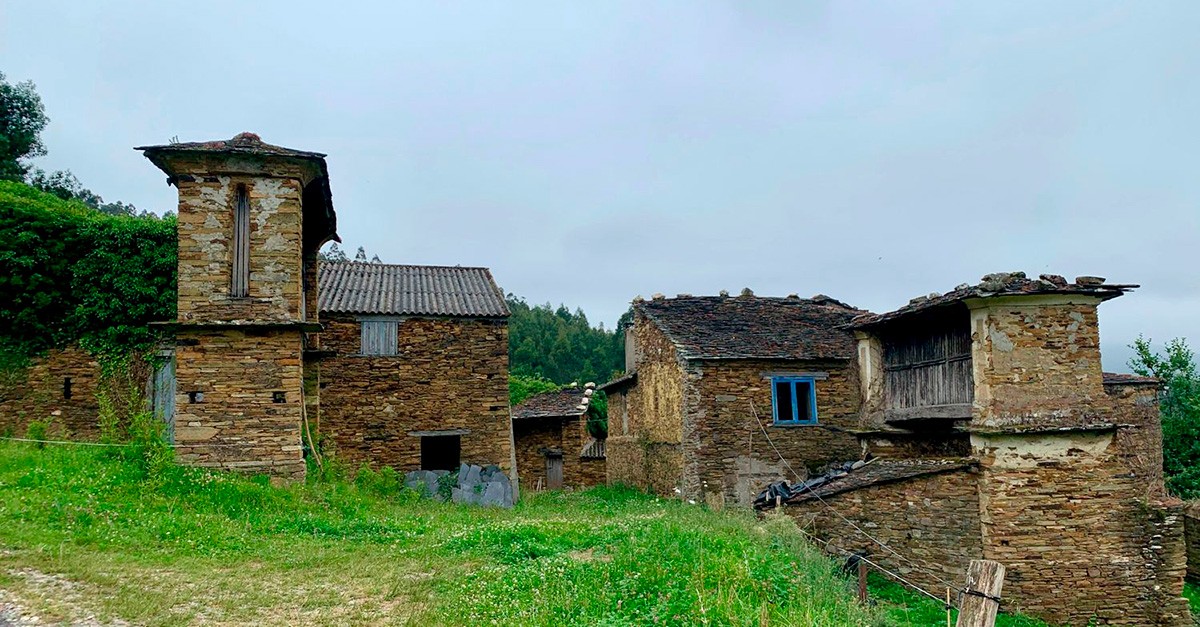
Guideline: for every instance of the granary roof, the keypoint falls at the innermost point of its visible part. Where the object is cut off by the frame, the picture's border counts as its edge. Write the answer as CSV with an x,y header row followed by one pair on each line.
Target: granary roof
x,y
619,382
245,143
882,471
558,404
754,327
1120,378
1000,284
402,290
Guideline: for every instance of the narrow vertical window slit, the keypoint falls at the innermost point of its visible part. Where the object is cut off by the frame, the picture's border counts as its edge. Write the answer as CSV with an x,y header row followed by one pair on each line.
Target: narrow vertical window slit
x,y
240,285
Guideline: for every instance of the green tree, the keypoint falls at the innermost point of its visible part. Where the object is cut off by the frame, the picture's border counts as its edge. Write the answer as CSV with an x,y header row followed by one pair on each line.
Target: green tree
x,y
560,345
1180,404
62,183
22,118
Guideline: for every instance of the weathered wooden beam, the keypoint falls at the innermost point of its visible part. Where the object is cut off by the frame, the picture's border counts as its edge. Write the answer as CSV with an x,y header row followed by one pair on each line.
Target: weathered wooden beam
x,y
981,597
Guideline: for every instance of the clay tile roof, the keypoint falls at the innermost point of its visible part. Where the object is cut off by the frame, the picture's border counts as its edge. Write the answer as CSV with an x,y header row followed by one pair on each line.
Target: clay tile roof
x,y
883,471
562,403
387,289
1001,284
754,327
1118,378
247,143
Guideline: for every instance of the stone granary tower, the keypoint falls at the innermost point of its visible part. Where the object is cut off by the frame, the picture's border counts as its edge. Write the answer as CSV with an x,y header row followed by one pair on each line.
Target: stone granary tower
x,y
252,217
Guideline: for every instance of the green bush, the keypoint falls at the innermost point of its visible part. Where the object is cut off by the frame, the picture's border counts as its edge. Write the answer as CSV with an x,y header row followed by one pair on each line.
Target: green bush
x,y
1180,406
73,274
37,430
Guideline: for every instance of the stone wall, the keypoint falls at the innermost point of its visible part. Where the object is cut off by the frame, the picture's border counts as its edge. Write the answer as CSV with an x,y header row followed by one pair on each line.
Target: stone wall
x,y
530,436
39,392
932,520
1067,518
205,218
237,403
650,454
726,455
1135,406
448,374
1192,538
1036,362
655,404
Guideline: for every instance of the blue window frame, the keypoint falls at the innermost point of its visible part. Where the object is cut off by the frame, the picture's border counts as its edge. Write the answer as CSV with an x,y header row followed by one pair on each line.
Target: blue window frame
x,y
794,400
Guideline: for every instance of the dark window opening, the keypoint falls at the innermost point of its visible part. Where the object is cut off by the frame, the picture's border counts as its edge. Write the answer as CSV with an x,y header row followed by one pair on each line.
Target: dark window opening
x,y
278,397
195,397
440,452
794,400
66,387
240,284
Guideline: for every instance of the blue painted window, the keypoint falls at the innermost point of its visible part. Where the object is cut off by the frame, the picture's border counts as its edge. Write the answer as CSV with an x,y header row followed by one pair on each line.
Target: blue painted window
x,y
794,400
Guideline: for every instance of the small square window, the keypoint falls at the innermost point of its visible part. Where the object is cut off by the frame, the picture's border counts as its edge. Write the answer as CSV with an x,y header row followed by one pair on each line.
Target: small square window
x,y
379,337
794,400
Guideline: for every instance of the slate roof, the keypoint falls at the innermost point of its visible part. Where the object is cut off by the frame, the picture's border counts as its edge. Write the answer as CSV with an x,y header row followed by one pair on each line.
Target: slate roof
x,y
619,383
754,327
399,290
1119,378
1000,284
244,143
883,471
558,404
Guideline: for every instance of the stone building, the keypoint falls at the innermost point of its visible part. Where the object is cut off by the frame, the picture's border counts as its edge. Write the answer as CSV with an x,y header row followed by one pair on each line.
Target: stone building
x,y
553,445
725,394
251,218
414,373
990,431
409,369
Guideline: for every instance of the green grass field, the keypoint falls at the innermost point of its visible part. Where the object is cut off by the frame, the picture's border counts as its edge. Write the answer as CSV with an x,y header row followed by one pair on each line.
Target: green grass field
x,y
86,533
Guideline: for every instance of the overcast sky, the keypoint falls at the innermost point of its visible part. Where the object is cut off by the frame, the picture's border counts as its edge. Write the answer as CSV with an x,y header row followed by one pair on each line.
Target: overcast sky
x,y
591,152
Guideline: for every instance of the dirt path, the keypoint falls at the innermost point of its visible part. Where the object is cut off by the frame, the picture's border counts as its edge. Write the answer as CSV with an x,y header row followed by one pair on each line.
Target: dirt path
x,y
15,612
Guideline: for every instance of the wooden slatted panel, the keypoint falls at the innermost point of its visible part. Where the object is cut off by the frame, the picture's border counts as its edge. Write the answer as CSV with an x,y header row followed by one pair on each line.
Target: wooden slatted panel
x,y
240,283
379,337
928,366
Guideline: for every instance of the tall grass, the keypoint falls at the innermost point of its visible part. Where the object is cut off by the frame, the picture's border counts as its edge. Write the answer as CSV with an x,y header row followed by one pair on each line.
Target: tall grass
x,y
180,545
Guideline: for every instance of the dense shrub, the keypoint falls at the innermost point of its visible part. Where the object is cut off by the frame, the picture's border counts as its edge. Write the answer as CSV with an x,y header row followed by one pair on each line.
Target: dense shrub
x,y
69,273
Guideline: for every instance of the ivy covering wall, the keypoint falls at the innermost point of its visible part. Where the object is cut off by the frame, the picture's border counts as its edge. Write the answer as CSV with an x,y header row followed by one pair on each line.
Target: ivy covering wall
x,y
69,273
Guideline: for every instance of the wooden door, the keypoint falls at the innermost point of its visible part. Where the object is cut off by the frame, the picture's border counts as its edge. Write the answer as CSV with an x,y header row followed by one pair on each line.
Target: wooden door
x,y
554,472
163,386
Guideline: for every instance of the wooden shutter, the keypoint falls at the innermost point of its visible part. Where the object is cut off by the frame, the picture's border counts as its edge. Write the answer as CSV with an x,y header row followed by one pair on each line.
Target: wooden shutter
x,y
240,284
379,337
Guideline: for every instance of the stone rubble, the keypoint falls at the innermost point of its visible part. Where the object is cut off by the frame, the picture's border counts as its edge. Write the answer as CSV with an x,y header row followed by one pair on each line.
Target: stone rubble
x,y
487,486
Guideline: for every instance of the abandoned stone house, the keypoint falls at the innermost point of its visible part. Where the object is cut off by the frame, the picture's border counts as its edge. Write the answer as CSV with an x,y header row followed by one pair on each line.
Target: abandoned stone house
x,y
994,433
711,378
980,421
411,370
416,376
554,448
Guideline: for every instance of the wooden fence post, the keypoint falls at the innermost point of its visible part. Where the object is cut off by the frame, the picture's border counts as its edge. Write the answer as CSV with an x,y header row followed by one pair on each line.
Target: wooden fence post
x,y
981,598
862,581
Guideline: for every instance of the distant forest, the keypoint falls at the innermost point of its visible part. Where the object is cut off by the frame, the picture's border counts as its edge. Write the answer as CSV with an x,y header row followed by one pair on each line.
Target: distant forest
x,y
561,345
